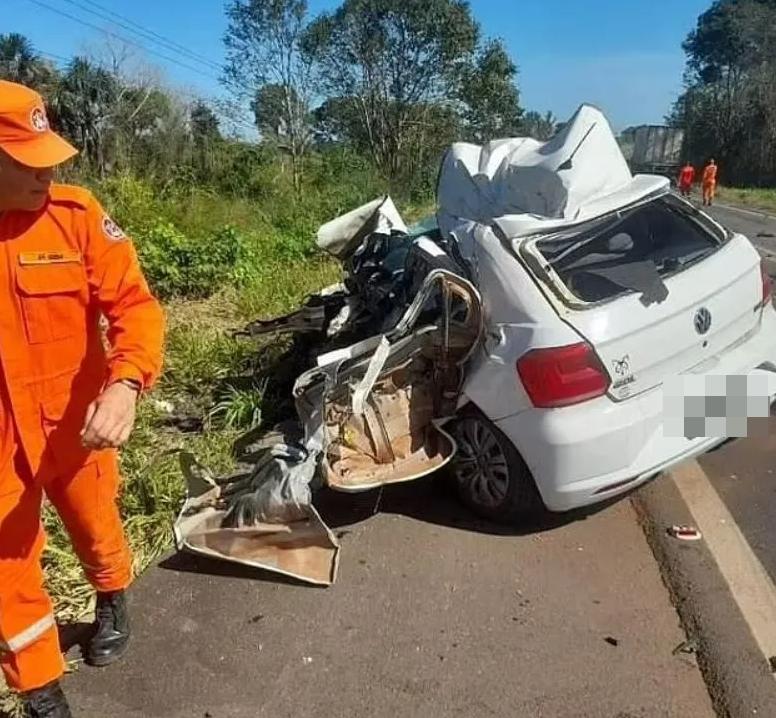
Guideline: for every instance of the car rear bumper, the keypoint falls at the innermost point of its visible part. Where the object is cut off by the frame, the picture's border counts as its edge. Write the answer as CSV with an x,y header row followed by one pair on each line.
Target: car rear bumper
x,y
585,454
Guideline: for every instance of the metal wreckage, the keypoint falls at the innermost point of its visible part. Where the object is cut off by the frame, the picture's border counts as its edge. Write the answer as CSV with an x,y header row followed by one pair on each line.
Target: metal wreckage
x,y
386,359
386,353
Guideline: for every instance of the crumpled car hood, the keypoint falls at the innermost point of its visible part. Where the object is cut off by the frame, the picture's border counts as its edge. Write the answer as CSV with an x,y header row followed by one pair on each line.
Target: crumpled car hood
x,y
524,186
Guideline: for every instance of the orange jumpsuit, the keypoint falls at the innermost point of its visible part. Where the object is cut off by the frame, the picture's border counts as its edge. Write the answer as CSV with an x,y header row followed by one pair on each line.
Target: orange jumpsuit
x,y
686,178
709,183
60,270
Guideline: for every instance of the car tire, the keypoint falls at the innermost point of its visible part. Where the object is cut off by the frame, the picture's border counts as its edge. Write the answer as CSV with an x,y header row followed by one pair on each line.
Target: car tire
x,y
491,477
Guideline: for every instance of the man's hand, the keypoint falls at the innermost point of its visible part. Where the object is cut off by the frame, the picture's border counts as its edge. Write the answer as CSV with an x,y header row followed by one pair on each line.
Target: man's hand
x,y
110,418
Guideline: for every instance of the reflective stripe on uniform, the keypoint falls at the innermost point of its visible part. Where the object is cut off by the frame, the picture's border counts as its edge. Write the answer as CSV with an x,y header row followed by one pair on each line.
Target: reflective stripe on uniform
x,y
28,636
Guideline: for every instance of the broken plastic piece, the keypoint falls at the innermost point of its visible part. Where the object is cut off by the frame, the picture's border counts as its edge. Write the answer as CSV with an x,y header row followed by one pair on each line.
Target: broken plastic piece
x,y
685,533
688,647
304,549
341,236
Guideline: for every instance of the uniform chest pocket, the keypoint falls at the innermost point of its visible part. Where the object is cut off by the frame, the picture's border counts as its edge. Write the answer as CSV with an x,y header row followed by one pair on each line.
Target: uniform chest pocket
x,y
53,300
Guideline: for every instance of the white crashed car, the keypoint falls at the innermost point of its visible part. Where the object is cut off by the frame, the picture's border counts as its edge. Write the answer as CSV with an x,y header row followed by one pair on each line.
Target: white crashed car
x,y
606,297
560,333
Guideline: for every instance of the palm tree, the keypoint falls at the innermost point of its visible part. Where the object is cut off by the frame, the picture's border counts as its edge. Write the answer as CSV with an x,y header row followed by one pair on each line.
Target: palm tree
x,y
20,63
83,106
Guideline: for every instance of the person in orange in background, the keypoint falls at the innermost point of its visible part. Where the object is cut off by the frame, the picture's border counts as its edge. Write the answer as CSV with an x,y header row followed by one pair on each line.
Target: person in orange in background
x,y
686,179
709,182
67,401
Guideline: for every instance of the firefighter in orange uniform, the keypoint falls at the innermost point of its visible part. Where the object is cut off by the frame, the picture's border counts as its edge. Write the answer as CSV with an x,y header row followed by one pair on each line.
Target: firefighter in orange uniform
x,y
686,179
709,182
67,402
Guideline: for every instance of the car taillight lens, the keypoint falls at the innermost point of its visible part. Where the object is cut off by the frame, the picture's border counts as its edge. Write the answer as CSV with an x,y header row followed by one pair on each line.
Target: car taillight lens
x,y
767,284
562,376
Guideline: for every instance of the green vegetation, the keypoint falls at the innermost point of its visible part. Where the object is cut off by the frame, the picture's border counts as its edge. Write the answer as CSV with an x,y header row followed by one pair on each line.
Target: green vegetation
x,y
764,199
728,108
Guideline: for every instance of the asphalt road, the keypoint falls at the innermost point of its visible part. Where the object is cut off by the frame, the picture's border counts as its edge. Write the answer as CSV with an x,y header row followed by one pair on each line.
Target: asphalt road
x,y
433,615
744,475
760,228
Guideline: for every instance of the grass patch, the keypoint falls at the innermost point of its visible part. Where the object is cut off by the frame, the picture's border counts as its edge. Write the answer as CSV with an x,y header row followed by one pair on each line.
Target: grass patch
x,y
756,198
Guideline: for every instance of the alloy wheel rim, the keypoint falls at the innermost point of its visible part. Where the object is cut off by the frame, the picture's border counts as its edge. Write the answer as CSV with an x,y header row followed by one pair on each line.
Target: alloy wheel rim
x,y
480,467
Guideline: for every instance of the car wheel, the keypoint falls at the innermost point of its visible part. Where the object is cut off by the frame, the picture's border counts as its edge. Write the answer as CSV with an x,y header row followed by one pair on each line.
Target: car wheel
x,y
491,477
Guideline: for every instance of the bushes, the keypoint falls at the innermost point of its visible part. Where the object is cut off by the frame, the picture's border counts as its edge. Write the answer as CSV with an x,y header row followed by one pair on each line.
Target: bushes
x,y
178,265
194,243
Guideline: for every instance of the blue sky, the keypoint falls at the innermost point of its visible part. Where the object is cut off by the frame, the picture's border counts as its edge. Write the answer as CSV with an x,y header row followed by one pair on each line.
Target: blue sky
x,y
622,55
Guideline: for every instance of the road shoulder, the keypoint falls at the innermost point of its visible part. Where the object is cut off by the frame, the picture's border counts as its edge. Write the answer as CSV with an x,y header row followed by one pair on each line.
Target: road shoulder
x,y
735,671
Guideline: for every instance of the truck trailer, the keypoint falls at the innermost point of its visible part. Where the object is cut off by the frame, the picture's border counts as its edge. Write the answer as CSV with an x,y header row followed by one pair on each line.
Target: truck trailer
x,y
657,149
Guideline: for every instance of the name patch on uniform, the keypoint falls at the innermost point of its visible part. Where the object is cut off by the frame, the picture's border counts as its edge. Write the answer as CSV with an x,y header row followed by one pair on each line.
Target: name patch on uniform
x,y
30,258
111,229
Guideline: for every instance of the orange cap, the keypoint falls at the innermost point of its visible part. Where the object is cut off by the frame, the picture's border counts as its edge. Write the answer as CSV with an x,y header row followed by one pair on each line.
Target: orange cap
x,y
25,133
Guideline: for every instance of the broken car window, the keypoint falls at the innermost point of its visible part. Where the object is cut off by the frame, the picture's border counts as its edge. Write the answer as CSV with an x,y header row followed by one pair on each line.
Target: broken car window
x,y
632,251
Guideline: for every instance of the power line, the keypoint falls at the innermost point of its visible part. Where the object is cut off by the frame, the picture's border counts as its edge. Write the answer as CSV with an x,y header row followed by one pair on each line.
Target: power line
x,y
242,123
146,33
42,4
134,43
51,56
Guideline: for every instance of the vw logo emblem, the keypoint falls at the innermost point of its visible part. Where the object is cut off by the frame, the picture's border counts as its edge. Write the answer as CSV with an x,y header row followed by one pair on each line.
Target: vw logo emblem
x,y
702,320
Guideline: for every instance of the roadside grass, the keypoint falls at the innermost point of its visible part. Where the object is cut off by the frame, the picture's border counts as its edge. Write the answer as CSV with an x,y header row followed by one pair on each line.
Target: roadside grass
x,y
755,198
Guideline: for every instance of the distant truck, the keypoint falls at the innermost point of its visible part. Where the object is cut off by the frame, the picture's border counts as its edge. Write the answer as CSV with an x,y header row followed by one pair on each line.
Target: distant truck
x,y
657,149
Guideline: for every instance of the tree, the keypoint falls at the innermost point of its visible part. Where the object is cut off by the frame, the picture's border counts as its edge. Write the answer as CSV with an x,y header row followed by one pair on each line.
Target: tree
x,y
85,100
204,123
540,127
272,108
20,63
394,62
337,120
266,66
490,95
148,127
728,108
205,136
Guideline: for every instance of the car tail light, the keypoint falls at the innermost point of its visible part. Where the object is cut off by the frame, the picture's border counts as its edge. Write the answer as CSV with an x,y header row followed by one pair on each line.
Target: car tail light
x,y
562,376
767,284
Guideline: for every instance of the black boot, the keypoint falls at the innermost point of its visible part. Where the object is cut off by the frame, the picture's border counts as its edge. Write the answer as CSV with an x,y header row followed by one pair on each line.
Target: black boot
x,y
111,637
46,702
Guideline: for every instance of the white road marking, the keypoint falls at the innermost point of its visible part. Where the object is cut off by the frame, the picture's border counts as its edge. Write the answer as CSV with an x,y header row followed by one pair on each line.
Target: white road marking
x,y
749,583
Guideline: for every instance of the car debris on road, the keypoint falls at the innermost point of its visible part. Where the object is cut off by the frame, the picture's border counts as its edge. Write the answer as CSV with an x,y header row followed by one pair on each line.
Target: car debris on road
x,y
685,533
521,338
370,405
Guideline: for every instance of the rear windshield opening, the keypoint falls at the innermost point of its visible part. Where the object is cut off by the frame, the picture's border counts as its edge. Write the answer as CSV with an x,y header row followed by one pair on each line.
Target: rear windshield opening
x,y
632,251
